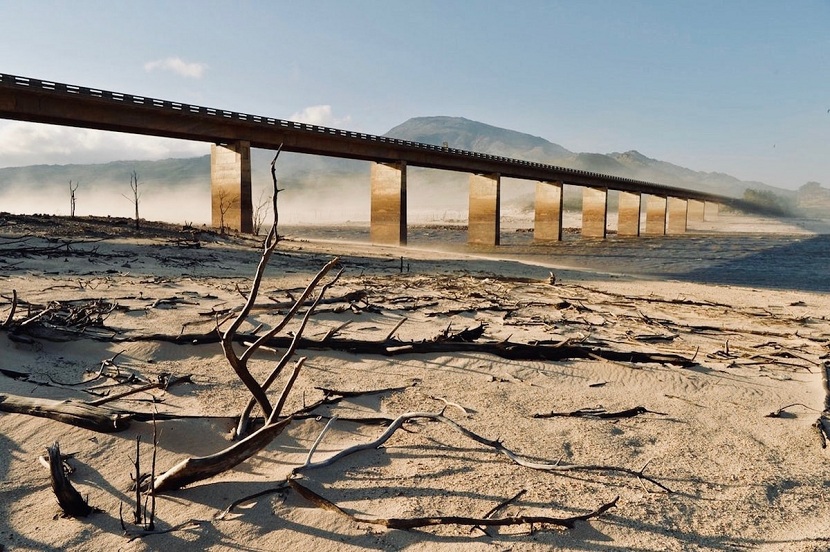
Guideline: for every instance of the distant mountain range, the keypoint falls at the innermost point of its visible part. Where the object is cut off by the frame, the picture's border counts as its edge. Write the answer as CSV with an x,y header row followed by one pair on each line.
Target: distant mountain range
x,y
462,133
325,176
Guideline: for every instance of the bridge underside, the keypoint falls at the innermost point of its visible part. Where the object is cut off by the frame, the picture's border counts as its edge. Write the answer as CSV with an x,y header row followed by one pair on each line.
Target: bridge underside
x,y
231,204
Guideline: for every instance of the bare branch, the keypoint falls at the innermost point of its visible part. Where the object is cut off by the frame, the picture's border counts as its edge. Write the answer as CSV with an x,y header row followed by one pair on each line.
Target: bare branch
x,y
412,523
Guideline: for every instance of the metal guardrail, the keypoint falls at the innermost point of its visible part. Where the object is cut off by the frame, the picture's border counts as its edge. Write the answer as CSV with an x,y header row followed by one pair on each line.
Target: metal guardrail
x,y
210,113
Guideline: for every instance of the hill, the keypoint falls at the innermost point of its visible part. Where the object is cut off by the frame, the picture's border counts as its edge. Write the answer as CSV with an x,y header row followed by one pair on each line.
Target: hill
x,y
462,133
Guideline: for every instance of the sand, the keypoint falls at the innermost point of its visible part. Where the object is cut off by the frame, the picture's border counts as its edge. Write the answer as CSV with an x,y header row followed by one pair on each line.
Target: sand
x,y
750,309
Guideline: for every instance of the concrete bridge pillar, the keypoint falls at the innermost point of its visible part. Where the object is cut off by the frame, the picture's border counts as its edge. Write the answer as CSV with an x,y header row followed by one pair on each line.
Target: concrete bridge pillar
x,y
677,212
594,212
695,210
710,210
388,220
655,215
547,225
628,214
485,209
230,187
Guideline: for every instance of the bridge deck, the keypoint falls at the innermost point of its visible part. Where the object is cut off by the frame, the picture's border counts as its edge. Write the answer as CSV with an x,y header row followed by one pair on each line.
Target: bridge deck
x,y
34,100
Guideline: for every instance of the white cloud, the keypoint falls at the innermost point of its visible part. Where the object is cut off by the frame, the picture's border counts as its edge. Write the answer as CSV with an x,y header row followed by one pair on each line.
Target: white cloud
x,y
177,65
24,144
319,115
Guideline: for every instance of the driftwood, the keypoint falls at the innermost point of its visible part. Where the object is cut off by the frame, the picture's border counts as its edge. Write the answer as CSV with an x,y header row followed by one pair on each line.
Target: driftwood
x,y
412,523
293,481
496,445
77,413
600,413
393,347
195,469
69,499
300,472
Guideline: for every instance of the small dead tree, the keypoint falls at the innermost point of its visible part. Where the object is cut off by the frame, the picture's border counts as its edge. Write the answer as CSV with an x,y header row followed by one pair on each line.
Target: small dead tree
x,y
261,210
195,469
136,198
72,198
224,207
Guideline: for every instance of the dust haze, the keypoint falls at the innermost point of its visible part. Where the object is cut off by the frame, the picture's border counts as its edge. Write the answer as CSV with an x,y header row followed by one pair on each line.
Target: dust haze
x,y
313,191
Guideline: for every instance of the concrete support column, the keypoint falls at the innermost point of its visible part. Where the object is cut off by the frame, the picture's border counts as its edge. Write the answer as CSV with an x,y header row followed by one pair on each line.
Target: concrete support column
x,y
547,225
628,214
485,209
388,221
230,187
710,210
695,210
655,216
594,212
677,212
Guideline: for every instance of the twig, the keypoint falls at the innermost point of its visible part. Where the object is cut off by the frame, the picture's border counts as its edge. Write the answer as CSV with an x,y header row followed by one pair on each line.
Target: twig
x,y
777,413
395,329
319,439
165,383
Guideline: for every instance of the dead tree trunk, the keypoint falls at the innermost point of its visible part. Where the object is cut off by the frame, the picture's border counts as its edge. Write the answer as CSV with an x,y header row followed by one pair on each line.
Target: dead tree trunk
x,y
96,418
70,500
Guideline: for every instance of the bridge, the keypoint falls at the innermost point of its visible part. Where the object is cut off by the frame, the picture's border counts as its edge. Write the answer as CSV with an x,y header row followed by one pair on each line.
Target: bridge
x,y
232,135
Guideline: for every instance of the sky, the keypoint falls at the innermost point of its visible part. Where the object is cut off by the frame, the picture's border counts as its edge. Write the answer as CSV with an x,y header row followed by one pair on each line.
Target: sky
x,y
738,87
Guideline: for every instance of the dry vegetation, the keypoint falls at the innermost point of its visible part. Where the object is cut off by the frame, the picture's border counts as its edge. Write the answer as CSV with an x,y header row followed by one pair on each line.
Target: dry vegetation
x,y
488,403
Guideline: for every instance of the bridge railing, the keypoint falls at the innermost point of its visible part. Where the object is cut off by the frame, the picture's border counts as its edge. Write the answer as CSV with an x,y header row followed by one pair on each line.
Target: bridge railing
x,y
209,112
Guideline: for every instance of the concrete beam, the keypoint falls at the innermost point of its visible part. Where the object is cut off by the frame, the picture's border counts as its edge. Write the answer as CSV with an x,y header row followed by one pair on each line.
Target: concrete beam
x,y
655,215
547,225
230,187
594,212
388,221
484,225
696,210
677,212
628,214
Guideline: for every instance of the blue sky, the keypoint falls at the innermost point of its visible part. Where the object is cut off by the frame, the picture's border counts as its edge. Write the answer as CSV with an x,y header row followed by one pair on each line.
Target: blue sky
x,y
741,87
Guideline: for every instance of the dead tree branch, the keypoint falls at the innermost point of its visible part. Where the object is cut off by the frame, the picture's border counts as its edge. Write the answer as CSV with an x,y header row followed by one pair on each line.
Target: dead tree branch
x,y
412,523
494,444
69,499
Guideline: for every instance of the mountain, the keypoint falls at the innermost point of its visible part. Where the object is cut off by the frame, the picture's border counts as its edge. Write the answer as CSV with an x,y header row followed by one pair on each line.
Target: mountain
x,y
462,133
171,172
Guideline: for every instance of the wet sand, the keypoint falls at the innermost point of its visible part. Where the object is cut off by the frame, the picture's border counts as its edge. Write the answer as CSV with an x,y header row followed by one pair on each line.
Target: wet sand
x,y
737,250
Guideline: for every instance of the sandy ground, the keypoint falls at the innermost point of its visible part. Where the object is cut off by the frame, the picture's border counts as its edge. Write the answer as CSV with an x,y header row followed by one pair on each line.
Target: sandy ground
x,y
748,308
